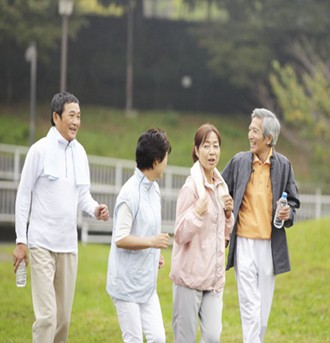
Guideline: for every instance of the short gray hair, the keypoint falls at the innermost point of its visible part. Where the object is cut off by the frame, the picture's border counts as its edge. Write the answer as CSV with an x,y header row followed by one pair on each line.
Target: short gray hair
x,y
270,124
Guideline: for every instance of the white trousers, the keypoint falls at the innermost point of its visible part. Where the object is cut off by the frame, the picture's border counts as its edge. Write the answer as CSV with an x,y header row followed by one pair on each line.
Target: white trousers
x,y
136,319
255,282
53,280
191,304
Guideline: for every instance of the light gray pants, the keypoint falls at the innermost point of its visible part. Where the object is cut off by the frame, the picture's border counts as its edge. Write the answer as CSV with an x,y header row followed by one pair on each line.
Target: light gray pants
x,y
189,305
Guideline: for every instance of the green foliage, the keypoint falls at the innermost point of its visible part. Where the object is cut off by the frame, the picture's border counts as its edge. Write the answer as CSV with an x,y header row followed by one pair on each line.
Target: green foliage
x,y
300,310
95,8
234,53
232,45
108,132
243,42
305,103
26,21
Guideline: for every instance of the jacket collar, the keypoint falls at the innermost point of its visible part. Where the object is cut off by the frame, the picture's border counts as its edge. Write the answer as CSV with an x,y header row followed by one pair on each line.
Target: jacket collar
x,y
143,180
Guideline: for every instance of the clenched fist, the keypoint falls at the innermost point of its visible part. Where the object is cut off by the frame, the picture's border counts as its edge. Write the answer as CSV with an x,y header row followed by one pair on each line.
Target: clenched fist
x,y
201,205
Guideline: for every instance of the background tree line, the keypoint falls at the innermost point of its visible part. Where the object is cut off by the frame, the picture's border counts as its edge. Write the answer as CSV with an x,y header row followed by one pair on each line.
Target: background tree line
x,y
271,53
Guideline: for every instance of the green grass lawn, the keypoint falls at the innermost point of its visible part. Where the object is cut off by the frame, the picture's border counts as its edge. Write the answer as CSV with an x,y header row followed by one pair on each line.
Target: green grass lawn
x,y
300,312
108,132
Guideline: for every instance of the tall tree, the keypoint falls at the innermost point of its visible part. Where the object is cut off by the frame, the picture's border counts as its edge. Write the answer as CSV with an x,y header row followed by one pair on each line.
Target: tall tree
x,y
244,44
302,91
252,33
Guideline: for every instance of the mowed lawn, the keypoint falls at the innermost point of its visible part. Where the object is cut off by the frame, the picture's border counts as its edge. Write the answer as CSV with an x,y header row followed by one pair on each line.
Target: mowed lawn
x,y
300,312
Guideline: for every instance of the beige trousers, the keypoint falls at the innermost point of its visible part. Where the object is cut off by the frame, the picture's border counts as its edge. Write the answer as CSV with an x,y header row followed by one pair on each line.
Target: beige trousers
x,y
53,279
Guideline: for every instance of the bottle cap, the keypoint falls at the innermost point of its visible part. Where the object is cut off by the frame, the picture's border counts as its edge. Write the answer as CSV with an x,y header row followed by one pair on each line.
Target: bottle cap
x,y
284,195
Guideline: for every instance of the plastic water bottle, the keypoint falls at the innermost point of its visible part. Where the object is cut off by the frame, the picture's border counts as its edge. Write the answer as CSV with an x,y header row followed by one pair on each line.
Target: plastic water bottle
x,y
21,275
278,223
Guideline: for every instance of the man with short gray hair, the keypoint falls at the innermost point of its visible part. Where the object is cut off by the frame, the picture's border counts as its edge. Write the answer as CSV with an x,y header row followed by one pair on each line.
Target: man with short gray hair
x,y
258,250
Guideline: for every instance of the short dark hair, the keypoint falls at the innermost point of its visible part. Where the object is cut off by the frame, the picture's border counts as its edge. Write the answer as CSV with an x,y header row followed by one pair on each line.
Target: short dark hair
x,y
151,146
201,136
58,102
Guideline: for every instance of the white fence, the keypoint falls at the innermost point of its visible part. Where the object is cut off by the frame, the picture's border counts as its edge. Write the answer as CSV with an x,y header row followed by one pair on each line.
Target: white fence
x,y
107,177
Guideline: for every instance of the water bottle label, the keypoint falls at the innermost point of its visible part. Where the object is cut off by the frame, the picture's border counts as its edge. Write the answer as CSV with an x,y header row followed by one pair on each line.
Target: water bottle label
x,y
21,275
278,223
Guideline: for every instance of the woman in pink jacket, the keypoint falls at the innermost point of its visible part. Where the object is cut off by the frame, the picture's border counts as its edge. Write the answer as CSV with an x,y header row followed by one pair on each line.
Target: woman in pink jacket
x,y
204,221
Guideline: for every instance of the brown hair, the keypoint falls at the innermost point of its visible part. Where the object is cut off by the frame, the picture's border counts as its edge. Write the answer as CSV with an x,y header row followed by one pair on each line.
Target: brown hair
x,y
201,136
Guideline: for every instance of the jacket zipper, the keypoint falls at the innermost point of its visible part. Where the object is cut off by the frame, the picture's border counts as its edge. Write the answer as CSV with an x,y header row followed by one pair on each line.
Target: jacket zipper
x,y
218,205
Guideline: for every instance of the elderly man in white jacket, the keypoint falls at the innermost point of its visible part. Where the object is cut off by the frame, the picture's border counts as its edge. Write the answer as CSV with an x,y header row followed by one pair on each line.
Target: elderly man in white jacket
x,y
54,183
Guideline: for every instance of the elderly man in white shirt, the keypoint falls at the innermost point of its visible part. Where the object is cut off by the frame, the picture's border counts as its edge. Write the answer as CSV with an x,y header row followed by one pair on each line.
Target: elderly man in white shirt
x,y
55,181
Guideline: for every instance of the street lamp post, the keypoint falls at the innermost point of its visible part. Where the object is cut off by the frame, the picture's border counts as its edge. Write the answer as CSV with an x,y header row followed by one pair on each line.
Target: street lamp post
x,y
65,8
31,56
129,60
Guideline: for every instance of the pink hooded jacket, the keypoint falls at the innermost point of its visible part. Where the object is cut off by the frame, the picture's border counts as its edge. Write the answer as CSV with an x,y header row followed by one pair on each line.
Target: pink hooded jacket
x,y
198,254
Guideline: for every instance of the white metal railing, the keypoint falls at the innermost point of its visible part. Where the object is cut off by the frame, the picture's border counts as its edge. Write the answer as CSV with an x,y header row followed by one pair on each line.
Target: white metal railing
x,y
103,170
107,177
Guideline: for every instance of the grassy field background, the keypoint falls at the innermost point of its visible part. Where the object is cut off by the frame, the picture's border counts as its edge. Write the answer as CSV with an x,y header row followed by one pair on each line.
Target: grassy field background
x,y
300,312
301,305
108,132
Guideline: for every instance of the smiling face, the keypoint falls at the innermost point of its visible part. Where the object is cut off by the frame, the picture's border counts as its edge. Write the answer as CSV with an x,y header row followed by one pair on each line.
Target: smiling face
x,y
259,144
208,154
69,123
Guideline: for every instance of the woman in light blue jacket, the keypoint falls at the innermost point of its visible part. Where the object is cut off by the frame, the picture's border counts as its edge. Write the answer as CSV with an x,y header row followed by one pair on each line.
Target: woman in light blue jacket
x,y
136,242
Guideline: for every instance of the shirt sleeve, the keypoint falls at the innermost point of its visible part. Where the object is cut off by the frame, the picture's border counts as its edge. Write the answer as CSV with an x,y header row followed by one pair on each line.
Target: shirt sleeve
x,y
29,176
229,224
124,222
187,222
86,202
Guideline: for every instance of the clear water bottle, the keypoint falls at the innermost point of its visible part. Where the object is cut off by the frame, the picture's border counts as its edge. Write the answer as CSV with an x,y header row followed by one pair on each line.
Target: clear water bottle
x,y
21,275
278,223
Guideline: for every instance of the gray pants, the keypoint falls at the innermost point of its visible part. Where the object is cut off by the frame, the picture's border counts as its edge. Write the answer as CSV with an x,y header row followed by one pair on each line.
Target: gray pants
x,y
189,305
